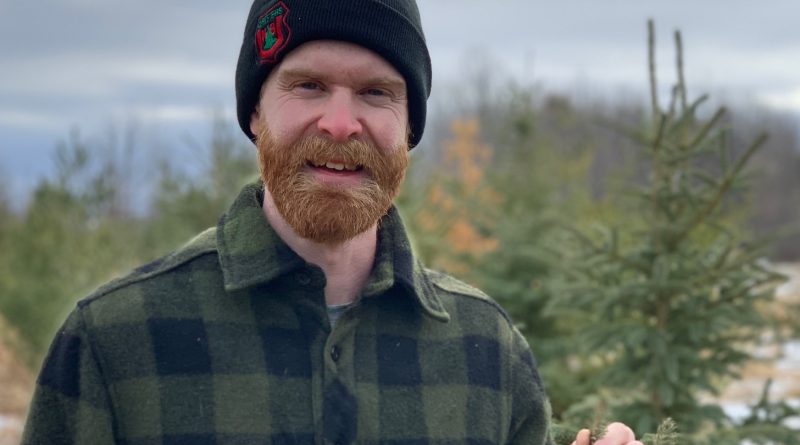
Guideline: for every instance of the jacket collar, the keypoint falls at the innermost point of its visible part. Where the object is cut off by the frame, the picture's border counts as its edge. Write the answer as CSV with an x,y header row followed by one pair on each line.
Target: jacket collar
x,y
251,253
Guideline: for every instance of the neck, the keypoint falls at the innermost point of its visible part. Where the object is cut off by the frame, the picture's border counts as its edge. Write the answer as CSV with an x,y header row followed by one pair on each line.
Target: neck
x,y
346,265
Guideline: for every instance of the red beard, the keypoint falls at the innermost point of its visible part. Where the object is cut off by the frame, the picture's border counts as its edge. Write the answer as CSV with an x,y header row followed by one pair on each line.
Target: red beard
x,y
323,212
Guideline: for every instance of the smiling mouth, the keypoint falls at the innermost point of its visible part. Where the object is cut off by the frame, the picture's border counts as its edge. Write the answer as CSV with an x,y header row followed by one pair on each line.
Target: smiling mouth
x,y
336,166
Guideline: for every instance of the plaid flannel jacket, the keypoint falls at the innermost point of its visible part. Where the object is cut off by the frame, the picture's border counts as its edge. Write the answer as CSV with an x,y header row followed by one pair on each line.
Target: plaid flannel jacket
x,y
226,341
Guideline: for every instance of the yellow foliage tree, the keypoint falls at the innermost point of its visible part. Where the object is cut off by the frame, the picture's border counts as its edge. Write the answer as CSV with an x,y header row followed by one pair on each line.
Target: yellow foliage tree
x,y
458,208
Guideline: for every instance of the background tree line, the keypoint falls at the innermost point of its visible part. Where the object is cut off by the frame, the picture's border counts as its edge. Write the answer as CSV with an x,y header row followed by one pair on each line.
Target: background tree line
x,y
627,239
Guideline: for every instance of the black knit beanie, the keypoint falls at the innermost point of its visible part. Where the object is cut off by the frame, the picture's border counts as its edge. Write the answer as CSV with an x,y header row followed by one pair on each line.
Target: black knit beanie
x,y
391,28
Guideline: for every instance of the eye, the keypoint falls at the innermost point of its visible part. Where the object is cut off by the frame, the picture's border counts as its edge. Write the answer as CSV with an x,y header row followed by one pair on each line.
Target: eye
x,y
377,92
308,85
377,96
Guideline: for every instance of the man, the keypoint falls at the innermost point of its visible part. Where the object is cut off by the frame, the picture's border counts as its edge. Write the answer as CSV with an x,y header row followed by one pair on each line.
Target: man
x,y
303,317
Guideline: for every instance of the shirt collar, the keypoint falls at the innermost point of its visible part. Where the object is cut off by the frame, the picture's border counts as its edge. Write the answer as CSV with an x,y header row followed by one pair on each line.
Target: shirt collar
x,y
252,253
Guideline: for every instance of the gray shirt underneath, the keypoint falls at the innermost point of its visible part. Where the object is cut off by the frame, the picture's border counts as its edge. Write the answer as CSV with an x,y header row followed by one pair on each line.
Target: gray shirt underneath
x,y
335,311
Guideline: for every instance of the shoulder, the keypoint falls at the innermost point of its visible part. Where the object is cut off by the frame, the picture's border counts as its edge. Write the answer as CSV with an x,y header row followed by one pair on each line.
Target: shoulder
x,y
456,295
449,283
498,348
201,245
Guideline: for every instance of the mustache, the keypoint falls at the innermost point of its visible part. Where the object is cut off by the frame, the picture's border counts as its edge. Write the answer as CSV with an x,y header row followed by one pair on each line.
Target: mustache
x,y
317,150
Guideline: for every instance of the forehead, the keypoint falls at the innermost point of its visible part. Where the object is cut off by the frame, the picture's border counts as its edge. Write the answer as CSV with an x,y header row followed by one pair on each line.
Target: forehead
x,y
342,60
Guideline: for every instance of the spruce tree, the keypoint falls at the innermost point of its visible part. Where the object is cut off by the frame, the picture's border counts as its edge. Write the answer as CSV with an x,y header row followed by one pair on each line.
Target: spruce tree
x,y
667,307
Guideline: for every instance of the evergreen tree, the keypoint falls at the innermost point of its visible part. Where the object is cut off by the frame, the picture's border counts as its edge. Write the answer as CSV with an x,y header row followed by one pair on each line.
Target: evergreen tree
x,y
76,233
185,205
668,305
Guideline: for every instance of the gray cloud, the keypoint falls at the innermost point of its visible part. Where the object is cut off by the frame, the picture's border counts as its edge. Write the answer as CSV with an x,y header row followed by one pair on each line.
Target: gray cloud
x,y
80,62
732,43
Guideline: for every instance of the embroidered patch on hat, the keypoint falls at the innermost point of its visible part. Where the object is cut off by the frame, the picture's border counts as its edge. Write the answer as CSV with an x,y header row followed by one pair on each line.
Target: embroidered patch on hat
x,y
272,33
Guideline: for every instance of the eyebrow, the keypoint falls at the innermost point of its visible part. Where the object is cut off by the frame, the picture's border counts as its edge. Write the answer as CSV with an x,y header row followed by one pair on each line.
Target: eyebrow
x,y
305,73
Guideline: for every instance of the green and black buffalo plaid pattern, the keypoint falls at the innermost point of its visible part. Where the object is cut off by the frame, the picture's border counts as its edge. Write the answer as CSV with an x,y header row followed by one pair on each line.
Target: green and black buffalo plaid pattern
x,y
227,342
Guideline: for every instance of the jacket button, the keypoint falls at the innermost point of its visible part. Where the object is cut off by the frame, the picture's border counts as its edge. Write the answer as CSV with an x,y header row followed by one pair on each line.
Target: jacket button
x,y
335,353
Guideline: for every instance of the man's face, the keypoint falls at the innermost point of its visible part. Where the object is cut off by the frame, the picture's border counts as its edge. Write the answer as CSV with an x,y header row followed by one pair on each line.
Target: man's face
x,y
332,131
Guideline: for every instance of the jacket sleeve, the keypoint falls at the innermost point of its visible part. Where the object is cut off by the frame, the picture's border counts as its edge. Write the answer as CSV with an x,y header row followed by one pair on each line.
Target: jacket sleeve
x,y
530,409
71,402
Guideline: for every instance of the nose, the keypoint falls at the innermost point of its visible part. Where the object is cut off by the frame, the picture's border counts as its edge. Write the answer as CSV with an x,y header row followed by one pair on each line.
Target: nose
x,y
340,119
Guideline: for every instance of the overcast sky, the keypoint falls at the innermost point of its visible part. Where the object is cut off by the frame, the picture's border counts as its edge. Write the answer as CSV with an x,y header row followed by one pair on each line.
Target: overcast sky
x,y
168,64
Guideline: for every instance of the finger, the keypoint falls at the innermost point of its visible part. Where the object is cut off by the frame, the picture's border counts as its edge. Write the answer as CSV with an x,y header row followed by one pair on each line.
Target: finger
x,y
617,434
583,437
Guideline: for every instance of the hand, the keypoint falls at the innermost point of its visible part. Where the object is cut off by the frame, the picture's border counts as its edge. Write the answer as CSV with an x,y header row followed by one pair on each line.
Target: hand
x,y
616,434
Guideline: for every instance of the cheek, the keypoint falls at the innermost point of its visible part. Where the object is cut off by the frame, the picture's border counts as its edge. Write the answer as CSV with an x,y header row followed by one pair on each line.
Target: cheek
x,y
289,122
390,131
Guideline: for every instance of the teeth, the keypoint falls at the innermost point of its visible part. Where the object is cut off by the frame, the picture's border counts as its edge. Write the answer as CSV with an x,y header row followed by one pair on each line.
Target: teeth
x,y
334,166
337,166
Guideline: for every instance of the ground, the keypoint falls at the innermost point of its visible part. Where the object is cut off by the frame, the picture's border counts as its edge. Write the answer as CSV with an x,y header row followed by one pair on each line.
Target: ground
x,y
781,363
16,383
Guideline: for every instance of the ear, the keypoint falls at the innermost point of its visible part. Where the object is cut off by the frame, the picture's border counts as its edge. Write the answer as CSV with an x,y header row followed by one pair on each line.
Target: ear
x,y
255,122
